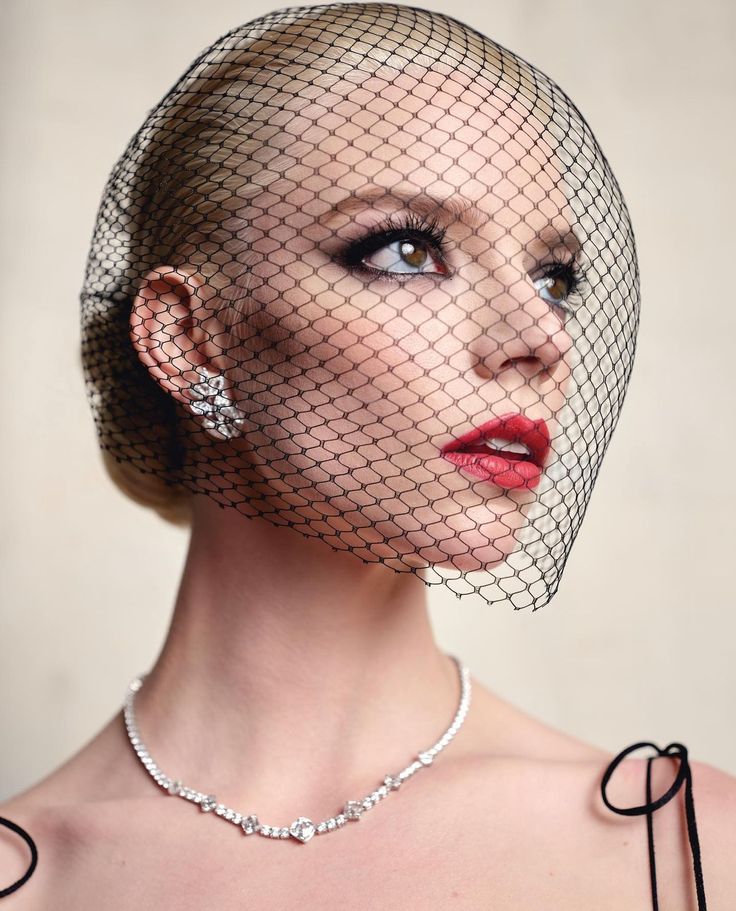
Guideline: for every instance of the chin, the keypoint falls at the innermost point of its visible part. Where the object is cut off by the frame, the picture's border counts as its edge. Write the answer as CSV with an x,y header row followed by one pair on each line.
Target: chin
x,y
483,556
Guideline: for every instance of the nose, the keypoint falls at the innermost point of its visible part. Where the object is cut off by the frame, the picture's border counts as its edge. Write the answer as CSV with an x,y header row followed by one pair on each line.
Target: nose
x,y
530,338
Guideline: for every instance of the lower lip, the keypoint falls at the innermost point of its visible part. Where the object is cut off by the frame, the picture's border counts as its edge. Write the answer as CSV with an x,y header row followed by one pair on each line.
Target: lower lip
x,y
505,468
508,471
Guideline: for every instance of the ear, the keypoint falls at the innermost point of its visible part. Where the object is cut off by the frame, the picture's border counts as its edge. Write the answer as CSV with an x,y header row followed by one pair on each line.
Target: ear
x,y
169,323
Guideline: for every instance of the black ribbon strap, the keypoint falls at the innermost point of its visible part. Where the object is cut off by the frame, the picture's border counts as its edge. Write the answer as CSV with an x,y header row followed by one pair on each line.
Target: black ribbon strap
x,y
684,776
34,855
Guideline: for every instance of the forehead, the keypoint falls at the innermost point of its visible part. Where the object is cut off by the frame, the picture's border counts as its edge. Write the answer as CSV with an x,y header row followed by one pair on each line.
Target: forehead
x,y
450,146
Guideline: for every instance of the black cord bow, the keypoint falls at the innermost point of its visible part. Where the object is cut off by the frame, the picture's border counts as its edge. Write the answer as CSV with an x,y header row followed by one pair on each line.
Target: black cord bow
x,y
684,775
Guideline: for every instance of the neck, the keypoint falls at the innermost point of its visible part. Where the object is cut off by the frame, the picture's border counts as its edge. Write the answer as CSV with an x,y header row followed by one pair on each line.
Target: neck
x,y
292,675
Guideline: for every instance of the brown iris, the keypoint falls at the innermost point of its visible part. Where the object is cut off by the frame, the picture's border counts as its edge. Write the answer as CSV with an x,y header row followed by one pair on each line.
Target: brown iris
x,y
559,289
412,253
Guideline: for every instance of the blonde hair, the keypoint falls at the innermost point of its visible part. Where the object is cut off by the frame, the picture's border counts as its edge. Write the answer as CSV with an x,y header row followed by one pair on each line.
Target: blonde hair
x,y
167,198
172,503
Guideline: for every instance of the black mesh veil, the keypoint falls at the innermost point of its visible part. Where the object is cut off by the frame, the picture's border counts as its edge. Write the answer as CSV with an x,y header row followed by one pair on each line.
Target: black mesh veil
x,y
366,274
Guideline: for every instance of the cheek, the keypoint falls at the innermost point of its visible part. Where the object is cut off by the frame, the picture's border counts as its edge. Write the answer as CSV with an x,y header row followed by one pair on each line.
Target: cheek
x,y
555,383
310,322
352,384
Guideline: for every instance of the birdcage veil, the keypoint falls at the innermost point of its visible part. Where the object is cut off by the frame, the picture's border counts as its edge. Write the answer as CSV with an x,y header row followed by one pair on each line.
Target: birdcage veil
x,y
367,275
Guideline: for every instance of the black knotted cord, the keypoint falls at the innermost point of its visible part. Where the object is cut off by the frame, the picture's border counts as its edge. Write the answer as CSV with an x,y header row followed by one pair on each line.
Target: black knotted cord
x,y
684,775
34,855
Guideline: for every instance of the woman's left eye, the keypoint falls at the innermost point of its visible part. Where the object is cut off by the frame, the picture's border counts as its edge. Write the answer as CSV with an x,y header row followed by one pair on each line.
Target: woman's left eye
x,y
558,284
404,256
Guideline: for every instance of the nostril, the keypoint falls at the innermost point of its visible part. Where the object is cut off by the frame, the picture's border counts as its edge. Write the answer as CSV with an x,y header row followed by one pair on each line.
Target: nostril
x,y
486,372
529,358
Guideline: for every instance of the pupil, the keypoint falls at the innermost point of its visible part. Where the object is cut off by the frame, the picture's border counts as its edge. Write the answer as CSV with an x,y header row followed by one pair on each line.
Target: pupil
x,y
558,289
412,254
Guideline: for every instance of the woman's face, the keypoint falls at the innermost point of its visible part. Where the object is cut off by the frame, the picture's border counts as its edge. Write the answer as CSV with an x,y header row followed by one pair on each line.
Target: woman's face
x,y
369,353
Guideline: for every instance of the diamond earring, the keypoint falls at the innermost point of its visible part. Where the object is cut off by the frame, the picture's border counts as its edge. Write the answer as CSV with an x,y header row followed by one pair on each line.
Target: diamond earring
x,y
222,419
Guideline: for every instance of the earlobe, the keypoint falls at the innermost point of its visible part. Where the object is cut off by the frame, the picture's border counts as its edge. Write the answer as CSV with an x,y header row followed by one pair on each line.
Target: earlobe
x,y
221,418
164,327
166,332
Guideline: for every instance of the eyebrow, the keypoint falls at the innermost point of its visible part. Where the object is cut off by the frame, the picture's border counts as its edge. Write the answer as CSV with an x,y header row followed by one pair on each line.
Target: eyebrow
x,y
553,238
419,201
456,205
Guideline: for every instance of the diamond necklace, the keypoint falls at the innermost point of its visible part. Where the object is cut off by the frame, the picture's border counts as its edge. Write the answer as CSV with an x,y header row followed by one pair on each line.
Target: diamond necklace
x,y
302,829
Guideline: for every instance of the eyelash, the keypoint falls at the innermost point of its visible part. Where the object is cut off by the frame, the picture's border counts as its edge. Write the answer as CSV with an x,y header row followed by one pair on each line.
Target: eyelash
x,y
412,227
574,275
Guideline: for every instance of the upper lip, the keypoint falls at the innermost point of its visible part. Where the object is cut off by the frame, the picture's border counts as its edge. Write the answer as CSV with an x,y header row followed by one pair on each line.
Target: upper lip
x,y
514,427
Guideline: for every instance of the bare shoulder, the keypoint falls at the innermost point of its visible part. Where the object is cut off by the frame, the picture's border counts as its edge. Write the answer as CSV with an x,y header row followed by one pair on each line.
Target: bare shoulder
x,y
714,802
79,845
55,812
15,854
548,809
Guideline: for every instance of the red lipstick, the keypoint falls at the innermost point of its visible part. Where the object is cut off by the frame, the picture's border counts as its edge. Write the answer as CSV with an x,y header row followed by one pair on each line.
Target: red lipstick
x,y
517,461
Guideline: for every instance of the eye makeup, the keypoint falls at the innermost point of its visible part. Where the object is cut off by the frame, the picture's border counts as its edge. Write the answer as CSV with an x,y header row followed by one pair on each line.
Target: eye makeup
x,y
426,232
561,270
406,226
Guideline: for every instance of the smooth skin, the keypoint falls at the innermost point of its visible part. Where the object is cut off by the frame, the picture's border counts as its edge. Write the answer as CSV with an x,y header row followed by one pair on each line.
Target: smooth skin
x,y
294,677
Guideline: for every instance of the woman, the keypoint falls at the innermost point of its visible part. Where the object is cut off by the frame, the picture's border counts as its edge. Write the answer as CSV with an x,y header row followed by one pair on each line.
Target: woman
x,y
366,275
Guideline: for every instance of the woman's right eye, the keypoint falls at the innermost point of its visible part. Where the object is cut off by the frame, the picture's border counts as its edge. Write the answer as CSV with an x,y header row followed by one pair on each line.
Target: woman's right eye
x,y
397,248
403,256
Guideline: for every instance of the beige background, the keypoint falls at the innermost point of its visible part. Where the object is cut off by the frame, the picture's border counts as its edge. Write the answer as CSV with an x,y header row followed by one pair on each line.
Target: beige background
x,y
638,643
